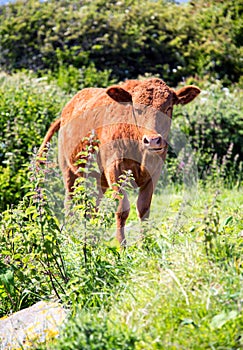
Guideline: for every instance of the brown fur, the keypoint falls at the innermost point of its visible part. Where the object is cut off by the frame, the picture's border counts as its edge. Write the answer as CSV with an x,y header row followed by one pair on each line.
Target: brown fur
x,y
131,122
55,126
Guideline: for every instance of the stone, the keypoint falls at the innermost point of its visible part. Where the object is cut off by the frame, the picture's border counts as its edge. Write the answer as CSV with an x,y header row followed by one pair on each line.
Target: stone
x,y
28,327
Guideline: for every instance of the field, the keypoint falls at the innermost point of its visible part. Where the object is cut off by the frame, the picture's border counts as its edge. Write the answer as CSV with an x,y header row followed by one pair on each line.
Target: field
x,y
178,287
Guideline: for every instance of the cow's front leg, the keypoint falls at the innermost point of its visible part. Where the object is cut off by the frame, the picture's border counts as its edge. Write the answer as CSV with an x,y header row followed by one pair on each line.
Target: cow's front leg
x,y
143,204
144,200
121,217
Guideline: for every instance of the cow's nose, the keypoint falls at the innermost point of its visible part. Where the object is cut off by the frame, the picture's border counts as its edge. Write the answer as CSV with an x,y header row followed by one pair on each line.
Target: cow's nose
x,y
153,141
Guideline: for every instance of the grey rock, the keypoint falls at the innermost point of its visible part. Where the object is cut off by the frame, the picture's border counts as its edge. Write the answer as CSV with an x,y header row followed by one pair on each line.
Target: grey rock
x,y
36,324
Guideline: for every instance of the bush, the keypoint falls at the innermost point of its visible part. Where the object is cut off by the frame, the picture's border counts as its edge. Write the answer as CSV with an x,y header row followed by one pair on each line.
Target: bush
x,y
72,79
213,125
43,257
127,37
27,107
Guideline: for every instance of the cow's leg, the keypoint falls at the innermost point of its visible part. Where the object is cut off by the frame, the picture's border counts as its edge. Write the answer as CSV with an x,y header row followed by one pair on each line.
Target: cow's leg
x,y
121,217
144,200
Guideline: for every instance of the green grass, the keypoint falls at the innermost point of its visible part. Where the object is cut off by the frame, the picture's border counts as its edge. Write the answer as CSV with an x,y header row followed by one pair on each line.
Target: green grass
x,y
176,291
178,288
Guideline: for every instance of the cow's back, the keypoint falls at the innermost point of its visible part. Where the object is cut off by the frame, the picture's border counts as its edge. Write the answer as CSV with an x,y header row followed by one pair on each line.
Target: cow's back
x,y
90,99
85,100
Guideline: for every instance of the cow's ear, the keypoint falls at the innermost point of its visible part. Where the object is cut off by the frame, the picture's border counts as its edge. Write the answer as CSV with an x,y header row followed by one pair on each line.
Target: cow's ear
x,y
118,94
186,94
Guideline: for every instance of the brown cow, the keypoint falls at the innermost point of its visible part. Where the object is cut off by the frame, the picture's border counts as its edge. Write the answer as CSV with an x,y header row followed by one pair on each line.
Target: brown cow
x,y
132,123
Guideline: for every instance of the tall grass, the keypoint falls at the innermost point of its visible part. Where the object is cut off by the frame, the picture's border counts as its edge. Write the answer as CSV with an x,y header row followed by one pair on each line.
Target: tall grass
x,y
178,287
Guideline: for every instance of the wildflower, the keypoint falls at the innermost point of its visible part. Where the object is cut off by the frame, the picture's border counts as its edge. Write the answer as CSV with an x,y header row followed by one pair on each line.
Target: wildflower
x,y
181,165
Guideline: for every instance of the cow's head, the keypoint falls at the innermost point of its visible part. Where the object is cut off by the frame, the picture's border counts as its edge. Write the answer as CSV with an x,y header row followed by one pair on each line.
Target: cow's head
x,y
160,99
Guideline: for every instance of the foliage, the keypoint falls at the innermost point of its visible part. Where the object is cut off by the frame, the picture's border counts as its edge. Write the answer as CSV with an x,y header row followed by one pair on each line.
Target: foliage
x,y
220,38
72,79
27,107
38,250
213,127
93,332
180,286
125,37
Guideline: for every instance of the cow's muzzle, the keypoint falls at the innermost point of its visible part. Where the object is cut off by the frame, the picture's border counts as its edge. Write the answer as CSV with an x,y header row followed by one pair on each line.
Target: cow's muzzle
x,y
155,143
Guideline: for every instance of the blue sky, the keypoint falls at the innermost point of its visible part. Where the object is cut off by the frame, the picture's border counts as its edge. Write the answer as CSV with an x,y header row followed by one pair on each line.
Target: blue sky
x,y
4,2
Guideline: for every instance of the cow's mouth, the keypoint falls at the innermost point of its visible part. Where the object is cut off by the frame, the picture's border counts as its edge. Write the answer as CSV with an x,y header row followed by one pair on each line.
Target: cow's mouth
x,y
157,150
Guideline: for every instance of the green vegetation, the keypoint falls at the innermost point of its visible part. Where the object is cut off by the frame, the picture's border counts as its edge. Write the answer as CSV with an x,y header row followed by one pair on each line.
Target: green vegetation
x,y
213,125
27,107
180,287
124,37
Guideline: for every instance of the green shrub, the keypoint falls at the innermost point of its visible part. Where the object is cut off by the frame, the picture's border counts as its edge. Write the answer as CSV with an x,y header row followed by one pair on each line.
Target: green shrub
x,y
127,37
27,107
72,79
42,256
213,126
30,238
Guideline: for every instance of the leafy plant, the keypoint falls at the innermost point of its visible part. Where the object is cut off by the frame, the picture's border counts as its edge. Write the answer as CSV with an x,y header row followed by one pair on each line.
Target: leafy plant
x,y
213,126
124,38
38,251
72,79
30,244
27,107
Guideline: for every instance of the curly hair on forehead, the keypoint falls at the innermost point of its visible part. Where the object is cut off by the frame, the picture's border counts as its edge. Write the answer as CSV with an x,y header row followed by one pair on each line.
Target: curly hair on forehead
x,y
132,84
152,91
